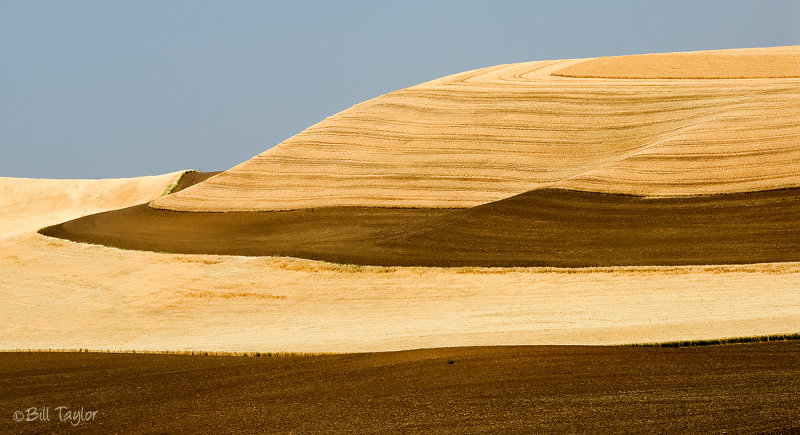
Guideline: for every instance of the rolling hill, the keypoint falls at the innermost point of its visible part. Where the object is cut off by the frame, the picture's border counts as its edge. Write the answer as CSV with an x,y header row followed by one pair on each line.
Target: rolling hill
x,y
676,124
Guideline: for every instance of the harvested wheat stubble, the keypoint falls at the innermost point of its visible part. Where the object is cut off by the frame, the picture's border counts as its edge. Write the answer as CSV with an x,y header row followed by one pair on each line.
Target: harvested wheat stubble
x,y
30,203
723,64
57,292
488,134
546,227
479,136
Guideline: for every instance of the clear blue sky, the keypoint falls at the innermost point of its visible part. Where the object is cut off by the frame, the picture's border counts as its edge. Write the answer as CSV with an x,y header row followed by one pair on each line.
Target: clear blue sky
x,y
92,89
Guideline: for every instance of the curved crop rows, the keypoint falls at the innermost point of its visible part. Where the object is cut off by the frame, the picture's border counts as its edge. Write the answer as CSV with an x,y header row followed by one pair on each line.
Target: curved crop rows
x,y
484,135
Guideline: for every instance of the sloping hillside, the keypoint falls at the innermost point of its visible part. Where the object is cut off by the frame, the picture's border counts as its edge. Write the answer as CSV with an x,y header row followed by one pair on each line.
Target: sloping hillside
x,y
675,124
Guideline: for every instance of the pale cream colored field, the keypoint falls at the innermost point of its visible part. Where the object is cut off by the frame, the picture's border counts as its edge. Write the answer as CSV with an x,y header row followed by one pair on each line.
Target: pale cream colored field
x,y
60,294
484,135
27,204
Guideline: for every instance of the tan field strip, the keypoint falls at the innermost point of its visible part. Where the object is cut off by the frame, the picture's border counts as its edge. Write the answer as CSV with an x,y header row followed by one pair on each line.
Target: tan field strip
x,y
484,135
60,294
748,63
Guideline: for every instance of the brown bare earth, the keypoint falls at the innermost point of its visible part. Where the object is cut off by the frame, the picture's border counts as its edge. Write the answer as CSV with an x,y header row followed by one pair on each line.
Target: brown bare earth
x,y
546,227
555,389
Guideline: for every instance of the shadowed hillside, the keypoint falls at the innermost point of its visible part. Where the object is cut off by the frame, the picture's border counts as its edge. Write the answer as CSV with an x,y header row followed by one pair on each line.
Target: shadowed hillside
x,y
547,227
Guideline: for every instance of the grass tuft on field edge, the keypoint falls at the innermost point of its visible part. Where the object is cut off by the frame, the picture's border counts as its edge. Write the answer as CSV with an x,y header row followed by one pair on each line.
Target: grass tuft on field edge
x,y
168,352
177,182
722,341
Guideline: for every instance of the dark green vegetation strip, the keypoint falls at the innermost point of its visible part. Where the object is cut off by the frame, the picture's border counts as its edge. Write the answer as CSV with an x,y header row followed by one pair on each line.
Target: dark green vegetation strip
x,y
189,178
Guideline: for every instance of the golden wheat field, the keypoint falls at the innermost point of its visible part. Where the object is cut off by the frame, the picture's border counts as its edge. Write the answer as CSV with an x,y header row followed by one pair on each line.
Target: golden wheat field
x,y
673,124
655,126
470,254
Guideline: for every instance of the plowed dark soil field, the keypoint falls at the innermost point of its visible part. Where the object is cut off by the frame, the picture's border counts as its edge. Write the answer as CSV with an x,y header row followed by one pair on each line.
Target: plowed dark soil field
x,y
743,388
